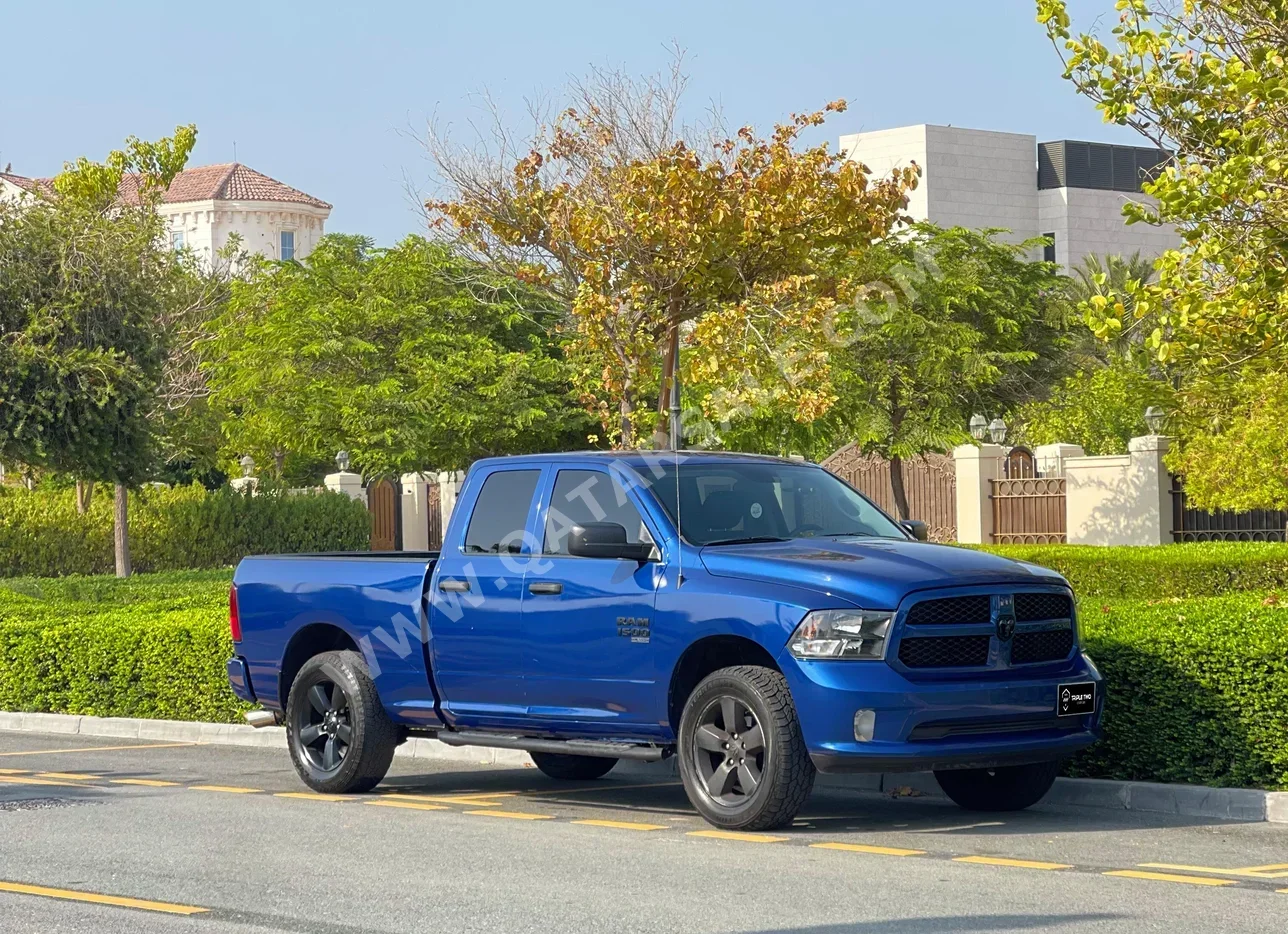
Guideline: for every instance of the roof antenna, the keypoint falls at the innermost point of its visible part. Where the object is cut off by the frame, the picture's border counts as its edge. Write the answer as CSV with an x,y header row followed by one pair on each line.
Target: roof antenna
x,y
234,150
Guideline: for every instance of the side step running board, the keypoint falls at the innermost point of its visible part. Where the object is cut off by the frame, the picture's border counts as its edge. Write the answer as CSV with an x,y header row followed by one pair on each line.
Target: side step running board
x,y
568,747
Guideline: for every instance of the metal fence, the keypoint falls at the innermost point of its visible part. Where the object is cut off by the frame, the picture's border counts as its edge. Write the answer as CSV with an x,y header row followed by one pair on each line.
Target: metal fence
x,y
930,481
1195,525
1028,504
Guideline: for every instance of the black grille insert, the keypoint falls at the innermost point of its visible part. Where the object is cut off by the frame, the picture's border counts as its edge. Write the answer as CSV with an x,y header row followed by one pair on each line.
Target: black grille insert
x,y
1037,606
945,652
947,729
1050,645
950,610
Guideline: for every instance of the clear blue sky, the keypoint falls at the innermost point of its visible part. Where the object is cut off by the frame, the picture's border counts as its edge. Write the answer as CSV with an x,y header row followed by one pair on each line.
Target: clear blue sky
x,y
326,96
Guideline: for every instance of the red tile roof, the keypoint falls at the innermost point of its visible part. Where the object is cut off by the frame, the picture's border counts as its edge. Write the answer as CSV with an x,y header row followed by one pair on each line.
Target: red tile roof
x,y
230,181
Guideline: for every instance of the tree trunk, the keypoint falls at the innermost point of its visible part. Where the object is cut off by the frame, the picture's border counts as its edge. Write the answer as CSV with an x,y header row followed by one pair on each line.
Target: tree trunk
x,y
84,491
627,410
896,486
121,531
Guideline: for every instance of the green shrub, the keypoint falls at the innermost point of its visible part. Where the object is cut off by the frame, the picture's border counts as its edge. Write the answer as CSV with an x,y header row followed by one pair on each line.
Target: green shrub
x,y
146,647
1197,691
1191,570
170,529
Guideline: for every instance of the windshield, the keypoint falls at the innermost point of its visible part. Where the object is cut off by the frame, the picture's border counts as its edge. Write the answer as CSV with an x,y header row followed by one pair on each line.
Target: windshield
x,y
725,503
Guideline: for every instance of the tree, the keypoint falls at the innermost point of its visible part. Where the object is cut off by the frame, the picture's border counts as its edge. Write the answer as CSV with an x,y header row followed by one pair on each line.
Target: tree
x,y
409,358
650,234
1208,80
82,348
939,323
1100,408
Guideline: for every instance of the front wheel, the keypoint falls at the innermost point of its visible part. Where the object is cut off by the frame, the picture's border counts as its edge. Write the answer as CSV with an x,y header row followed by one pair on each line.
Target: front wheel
x,y
1010,788
743,760
340,737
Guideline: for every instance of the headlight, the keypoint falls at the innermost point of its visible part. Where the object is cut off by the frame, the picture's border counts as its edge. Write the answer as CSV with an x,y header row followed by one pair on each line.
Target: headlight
x,y
842,634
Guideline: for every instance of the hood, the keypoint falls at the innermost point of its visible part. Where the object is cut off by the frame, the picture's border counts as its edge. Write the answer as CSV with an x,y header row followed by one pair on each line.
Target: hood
x,y
872,573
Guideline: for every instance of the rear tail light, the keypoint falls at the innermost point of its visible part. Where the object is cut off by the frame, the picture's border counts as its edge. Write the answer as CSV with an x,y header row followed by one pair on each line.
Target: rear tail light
x,y
234,619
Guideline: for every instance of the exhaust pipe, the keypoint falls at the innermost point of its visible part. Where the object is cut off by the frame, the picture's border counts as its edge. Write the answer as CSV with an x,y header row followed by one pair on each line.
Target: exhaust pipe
x,y
261,718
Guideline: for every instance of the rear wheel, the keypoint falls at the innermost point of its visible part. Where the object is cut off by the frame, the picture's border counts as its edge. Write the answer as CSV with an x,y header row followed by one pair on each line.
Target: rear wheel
x,y
340,737
743,760
572,768
1010,788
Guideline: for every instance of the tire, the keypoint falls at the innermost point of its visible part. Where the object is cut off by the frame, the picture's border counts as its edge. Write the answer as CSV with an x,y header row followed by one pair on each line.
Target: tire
x,y
572,768
779,763
1010,788
317,724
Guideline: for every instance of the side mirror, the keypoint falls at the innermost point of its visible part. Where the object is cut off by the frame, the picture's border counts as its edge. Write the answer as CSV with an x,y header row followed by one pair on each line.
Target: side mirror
x,y
606,540
916,528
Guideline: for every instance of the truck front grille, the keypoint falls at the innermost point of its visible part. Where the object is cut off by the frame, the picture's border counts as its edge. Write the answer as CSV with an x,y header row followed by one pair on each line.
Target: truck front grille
x,y
1031,607
950,610
1048,646
945,651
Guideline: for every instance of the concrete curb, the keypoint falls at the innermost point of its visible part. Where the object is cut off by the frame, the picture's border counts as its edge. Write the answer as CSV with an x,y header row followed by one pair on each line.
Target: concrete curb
x,y
1235,804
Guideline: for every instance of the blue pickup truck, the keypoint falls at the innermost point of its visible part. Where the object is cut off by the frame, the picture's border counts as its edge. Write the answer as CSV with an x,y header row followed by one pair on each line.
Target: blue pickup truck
x,y
755,617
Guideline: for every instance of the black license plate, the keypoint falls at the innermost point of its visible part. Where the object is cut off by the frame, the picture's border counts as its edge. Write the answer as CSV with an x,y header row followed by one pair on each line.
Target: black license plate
x,y
1076,700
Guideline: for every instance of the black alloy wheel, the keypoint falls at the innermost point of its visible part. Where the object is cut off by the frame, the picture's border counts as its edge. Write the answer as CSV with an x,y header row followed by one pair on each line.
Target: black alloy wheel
x,y
729,750
323,727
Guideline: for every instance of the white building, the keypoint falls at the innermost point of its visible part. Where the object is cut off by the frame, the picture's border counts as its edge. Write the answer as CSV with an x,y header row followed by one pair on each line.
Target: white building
x,y
1070,191
205,205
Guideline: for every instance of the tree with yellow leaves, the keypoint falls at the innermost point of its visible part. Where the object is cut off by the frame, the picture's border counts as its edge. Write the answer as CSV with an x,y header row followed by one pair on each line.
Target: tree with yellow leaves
x,y
652,235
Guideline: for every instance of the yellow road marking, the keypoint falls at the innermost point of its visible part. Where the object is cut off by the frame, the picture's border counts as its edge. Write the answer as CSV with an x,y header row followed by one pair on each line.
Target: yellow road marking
x,y
1281,891
1168,877
1241,873
19,780
471,800
310,796
732,835
226,789
118,901
608,787
1263,868
512,815
1017,863
13,771
865,848
146,782
621,824
69,776
59,752
411,805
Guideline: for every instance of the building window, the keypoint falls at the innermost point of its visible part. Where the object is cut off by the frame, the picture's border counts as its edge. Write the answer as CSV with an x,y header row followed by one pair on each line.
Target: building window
x,y
287,244
1048,251
176,239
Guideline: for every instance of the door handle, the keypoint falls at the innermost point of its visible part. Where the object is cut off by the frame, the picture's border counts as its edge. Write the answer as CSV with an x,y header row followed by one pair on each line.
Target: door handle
x,y
545,587
453,586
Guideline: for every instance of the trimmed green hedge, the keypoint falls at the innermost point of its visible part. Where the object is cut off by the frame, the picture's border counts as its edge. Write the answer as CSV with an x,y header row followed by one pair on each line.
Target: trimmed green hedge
x,y
151,646
1188,570
171,529
1197,690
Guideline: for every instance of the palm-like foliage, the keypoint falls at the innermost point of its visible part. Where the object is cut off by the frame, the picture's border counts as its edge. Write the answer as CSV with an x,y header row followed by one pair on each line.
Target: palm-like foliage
x,y
1109,275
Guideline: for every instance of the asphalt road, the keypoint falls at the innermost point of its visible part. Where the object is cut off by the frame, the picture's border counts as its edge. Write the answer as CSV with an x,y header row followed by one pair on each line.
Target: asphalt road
x,y
210,839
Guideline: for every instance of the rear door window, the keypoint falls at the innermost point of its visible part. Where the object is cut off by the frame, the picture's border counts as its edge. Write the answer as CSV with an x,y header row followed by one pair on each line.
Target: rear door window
x,y
500,514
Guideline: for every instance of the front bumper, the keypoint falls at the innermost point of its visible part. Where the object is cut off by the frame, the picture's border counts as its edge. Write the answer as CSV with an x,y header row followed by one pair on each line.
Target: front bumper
x,y
930,724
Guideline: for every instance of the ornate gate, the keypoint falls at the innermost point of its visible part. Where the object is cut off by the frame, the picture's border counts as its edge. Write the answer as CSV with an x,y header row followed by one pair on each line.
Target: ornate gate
x,y
930,480
385,505
434,506
1028,511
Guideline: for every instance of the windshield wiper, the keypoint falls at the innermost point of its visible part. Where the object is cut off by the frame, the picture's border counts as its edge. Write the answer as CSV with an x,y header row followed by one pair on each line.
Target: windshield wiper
x,y
754,540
